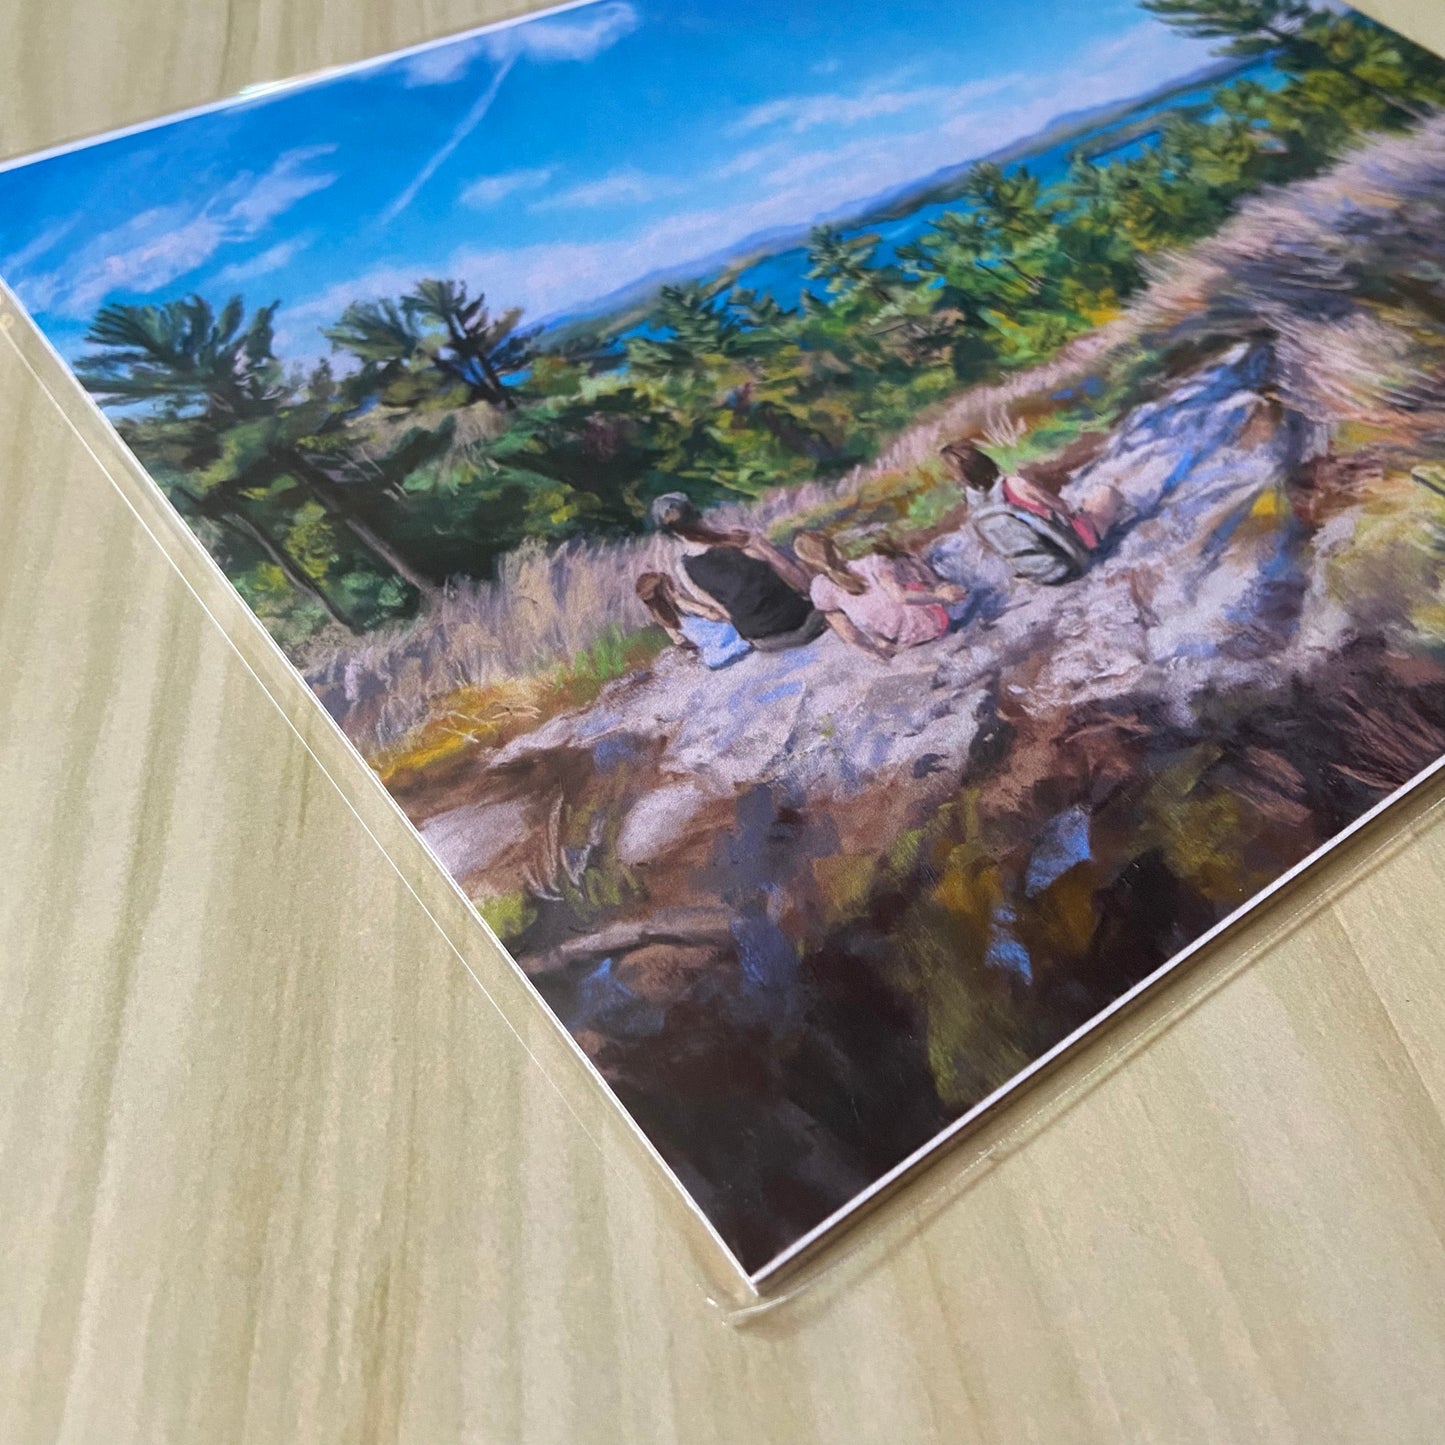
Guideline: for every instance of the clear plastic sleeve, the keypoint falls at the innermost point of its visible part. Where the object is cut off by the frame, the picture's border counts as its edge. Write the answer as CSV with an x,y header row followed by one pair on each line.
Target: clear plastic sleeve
x,y
903,1196
940,1178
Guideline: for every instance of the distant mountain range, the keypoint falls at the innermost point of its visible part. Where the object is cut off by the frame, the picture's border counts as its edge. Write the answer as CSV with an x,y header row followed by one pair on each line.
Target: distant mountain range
x,y
947,182
628,304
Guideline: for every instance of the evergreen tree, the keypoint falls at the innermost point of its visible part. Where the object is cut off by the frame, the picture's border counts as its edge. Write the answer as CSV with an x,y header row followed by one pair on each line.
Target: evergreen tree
x,y
1302,36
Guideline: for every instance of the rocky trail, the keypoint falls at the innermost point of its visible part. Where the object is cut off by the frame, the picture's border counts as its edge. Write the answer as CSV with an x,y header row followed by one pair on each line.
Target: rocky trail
x,y
803,911
1205,565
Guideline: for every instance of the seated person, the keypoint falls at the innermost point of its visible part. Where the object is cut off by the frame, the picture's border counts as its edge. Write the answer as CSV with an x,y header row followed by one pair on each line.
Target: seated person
x,y
741,575
1058,547
881,603
696,626
979,473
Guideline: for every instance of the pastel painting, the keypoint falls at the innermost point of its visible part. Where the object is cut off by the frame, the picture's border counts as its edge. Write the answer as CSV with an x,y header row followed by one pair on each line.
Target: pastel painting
x,y
857,533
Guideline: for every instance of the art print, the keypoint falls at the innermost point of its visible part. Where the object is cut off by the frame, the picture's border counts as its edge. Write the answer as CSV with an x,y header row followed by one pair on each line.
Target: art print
x,y
856,533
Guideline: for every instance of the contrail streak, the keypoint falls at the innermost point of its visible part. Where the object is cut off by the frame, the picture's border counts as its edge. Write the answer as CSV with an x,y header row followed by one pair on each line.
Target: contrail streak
x,y
470,122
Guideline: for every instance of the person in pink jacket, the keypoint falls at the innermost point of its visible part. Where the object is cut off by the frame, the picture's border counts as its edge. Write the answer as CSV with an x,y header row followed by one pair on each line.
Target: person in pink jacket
x,y
880,603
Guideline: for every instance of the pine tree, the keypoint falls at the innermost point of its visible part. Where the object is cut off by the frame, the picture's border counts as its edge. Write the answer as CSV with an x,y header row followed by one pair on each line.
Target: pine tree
x,y
1302,35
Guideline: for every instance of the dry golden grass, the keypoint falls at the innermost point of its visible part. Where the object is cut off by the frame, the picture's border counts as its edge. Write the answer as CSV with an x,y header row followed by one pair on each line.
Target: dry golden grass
x,y
482,654
491,714
1293,263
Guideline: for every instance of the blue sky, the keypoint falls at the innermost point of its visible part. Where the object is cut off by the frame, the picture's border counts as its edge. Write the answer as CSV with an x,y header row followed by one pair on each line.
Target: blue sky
x,y
551,162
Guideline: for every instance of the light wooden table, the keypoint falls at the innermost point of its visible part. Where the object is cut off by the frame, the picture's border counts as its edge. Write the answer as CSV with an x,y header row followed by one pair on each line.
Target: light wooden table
x,y
287,1157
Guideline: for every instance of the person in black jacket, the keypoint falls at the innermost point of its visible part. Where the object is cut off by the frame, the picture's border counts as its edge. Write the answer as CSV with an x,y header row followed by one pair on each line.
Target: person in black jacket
x,y
763,592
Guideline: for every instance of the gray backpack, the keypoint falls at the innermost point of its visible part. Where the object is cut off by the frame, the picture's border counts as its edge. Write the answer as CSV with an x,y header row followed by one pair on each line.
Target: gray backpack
x,y
1035,548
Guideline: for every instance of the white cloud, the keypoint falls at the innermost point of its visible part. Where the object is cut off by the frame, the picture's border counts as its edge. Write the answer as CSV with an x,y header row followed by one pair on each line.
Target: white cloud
x,y
799,113
1112,69
852,170
573,35
47,240
619,188
441,64
959,124
143,255
544,279
799,188
791,187
803,112
754,159
263,264
152,249
840,161
489,190
1130,58
375,285
274,193
551,278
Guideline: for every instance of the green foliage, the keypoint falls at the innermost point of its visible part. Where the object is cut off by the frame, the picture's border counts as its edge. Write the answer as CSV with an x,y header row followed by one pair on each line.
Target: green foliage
x,y
1251,27
509,915
613,655
1303,39
437,345
448,434
184,356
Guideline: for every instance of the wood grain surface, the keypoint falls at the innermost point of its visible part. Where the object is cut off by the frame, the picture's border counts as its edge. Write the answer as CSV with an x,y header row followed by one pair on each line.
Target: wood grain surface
x,y
289,1154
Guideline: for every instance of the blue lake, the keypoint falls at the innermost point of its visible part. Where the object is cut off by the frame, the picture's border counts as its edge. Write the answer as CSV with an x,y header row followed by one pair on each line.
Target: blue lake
x,y
783,275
